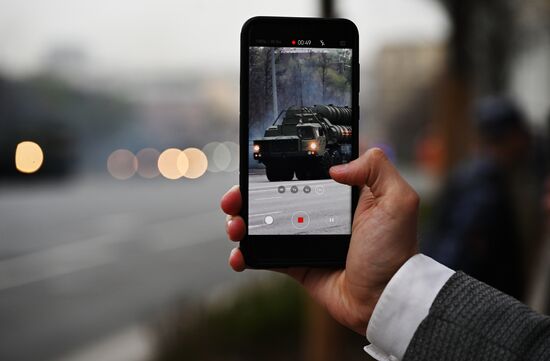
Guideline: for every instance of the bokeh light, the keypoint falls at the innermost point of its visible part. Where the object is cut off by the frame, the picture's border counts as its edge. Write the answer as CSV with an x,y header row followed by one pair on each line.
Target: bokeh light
x,y
209,152
198,163
222,156
147,163
122,164
168,164
182,163
234,151
218,155
28,157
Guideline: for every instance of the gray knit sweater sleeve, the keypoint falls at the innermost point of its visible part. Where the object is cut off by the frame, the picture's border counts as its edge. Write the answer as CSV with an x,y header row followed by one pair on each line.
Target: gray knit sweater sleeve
x,y
472,321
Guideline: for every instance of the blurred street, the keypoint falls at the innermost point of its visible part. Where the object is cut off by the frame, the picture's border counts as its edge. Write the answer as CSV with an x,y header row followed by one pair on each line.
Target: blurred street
x,y
82,260
119,134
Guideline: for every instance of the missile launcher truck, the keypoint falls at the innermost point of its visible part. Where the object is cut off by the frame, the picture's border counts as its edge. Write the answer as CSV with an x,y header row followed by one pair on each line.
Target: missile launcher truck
x,y
306,142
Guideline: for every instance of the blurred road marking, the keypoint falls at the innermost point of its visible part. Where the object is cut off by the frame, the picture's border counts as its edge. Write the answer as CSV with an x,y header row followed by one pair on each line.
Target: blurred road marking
x,y
264,214
266,198
97,251
262,190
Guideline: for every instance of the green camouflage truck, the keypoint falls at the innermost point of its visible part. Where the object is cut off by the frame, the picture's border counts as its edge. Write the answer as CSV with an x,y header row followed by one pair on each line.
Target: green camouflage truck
x,y
306,142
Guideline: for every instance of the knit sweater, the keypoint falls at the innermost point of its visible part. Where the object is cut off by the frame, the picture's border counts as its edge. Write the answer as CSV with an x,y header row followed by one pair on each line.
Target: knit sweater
x,y
470,320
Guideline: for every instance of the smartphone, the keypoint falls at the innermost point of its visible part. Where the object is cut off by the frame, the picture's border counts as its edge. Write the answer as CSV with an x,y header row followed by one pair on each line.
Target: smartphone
x,y
299,114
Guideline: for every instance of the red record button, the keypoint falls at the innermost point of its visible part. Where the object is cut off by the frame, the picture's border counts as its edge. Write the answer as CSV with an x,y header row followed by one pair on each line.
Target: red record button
x,y
300,220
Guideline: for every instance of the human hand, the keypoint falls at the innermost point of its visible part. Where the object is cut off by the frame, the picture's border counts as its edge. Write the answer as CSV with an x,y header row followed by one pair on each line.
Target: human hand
x,y
383,238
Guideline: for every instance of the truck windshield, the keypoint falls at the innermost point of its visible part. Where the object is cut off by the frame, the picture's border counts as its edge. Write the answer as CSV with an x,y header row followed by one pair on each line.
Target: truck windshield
x,y
305,132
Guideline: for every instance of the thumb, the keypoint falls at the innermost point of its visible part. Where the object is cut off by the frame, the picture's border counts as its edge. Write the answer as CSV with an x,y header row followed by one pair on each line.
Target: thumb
x,y
372,169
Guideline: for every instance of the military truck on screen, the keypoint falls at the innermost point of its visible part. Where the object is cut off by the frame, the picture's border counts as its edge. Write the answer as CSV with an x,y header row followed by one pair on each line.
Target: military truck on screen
x,y
306,142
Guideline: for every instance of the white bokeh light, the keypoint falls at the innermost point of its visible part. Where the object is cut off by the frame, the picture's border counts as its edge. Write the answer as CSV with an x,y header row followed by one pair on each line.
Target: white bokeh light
x,y
234,150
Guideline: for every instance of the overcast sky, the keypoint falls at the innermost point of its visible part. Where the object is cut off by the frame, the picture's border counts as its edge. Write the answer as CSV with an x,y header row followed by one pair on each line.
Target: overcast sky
x,y
151,35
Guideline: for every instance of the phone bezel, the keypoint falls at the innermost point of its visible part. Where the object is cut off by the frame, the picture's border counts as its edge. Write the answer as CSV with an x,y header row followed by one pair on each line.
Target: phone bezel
x,y
269,251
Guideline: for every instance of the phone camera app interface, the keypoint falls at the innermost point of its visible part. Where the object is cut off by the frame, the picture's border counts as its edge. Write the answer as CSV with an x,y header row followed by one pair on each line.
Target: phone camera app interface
x,y
300,124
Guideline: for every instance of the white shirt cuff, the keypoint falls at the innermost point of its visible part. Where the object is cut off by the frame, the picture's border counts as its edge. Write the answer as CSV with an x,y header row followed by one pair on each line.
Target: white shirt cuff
x,y
404,303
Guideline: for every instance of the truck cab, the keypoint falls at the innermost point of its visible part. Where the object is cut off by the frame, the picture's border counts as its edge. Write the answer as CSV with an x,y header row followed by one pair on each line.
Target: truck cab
x,y
305,143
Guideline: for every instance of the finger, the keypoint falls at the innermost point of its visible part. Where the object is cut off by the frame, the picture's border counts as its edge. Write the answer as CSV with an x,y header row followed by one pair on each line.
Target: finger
x,y
231,201
236,260
235,228
372,169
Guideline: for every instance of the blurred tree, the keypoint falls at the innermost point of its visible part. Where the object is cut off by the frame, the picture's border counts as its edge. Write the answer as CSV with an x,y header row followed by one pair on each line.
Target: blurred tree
x,y
303,79
481,42
479,57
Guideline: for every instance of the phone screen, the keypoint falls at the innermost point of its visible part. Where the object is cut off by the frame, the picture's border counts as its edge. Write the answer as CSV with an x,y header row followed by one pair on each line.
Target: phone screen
x,y
300,124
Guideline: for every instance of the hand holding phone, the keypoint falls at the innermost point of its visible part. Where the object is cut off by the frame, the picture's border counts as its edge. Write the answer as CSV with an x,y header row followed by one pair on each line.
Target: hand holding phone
x,y
383,238
299,117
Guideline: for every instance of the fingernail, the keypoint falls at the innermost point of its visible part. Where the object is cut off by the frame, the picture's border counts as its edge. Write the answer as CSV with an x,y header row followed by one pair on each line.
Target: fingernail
x,y
230,190
232,253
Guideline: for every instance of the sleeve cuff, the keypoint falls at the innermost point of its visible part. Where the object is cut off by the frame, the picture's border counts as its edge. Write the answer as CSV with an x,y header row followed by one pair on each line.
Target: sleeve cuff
x,y
404,303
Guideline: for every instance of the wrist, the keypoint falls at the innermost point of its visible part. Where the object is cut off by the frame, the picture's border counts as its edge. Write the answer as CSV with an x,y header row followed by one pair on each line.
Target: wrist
x,y
405,302
369,297
361,308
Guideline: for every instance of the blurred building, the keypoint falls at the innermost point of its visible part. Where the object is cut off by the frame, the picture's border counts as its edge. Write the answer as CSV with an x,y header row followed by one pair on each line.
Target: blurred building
x,y
405,75
66,62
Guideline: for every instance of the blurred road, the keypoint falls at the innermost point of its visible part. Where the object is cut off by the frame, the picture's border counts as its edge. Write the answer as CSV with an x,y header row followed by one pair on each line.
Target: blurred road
x,y
83,259
303,207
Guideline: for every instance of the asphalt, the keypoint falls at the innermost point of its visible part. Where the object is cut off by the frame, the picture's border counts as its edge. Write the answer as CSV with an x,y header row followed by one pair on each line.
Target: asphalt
x,y
83,259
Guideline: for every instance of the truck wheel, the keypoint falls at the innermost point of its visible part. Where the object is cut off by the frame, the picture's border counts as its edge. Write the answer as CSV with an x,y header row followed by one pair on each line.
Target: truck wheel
x,y
287,173
272,173
279,172
308,172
